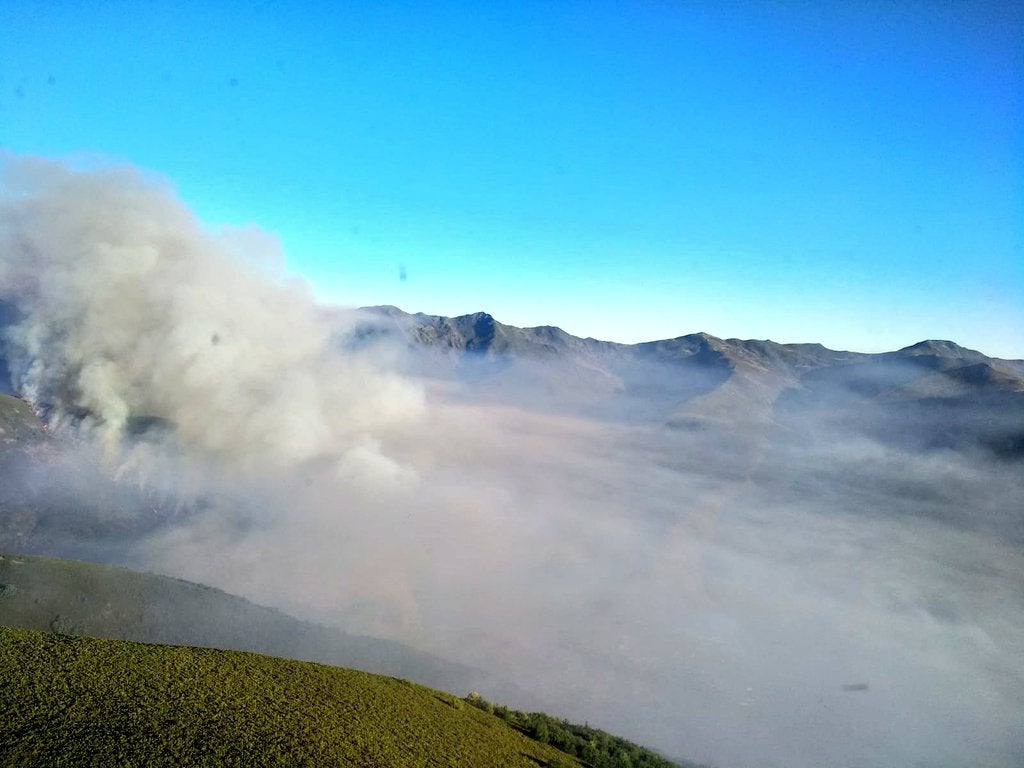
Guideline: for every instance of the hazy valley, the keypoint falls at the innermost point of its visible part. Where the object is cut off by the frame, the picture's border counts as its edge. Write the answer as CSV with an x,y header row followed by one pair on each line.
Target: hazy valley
x,y
739,552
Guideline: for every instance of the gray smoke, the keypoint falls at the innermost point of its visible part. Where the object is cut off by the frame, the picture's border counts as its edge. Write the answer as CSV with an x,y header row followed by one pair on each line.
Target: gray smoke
x,y
128,307
752,600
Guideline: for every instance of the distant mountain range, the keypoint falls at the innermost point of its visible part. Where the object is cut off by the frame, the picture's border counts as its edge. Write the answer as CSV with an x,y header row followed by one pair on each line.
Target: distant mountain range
x,y
757,402
932,394
481,333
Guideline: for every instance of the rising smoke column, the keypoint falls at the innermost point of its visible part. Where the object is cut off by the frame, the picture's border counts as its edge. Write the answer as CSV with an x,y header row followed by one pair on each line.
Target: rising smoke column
x,y
126,306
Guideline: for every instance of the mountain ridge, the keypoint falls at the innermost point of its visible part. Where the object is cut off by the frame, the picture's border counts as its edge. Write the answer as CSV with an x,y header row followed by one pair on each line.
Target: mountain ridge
x,y
486,330
942,393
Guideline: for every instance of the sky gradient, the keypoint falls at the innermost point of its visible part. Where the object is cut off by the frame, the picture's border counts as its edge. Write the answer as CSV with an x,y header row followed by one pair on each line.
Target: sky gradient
x,y
849,173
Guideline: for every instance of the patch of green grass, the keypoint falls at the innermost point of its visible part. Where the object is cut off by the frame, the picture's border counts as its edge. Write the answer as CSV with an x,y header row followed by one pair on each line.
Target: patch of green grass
x,y
92,702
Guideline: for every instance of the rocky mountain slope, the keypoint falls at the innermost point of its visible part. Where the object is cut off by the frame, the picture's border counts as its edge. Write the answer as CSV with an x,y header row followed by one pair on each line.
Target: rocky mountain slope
x,y
936,393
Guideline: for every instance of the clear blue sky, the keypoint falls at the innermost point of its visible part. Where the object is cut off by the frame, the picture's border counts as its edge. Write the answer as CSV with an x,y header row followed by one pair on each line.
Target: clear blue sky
x,y
843,172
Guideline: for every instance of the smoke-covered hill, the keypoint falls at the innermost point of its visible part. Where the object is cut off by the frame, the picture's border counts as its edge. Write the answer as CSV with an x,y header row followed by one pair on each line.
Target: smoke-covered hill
x,y
71,597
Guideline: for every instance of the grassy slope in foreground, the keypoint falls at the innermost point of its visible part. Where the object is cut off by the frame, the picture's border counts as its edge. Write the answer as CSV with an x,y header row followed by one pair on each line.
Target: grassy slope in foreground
x,y
83,701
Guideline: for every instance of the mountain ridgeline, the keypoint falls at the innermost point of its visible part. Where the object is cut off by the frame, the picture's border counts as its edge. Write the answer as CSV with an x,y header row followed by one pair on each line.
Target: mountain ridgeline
x,y
931,395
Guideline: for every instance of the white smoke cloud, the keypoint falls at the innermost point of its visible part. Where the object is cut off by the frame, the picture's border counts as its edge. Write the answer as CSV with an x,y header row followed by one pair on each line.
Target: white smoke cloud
x,y
128,307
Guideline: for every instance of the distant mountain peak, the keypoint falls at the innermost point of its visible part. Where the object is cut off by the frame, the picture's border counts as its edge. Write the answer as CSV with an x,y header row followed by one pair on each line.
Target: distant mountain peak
x,y
481,332
939,348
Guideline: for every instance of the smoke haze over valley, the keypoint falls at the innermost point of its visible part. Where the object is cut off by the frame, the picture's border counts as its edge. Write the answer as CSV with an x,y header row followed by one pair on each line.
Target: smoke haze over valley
x,y
739,552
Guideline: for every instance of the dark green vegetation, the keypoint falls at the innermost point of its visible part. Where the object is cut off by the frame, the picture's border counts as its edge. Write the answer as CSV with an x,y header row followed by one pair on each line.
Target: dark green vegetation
x,y
592,746
47,593
82,701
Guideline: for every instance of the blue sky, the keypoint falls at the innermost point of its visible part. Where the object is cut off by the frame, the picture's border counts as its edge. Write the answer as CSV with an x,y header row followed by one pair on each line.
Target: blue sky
x,y
850,173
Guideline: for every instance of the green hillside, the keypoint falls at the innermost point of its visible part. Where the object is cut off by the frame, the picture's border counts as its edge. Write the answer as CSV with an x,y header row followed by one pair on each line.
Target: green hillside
x,y
68,700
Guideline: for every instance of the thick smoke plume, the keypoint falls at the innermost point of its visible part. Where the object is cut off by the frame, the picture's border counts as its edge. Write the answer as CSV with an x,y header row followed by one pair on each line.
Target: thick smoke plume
x,y
128,308
757,598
